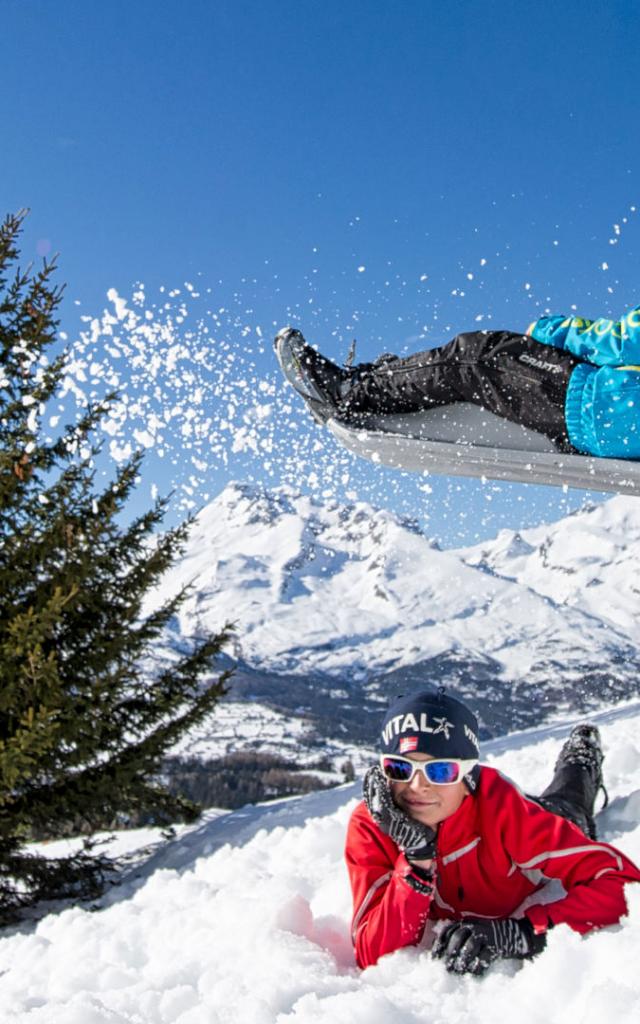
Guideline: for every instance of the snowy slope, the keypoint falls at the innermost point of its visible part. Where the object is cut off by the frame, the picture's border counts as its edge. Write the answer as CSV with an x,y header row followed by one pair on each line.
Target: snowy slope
x,y
247,919
587,561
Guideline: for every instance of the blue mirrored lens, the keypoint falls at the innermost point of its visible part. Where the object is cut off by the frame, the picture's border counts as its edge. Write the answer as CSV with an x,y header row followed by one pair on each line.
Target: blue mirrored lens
x,y
397,771
442,773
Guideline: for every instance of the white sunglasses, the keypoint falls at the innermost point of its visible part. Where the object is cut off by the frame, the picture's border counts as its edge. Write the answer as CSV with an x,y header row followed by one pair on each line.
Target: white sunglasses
x,y
440,772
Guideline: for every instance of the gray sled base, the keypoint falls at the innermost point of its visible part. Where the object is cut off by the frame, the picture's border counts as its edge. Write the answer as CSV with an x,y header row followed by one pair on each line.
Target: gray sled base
x,y
464,440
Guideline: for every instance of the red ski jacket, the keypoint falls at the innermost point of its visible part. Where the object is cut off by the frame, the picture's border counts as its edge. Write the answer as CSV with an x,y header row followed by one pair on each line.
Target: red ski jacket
x,y
500,855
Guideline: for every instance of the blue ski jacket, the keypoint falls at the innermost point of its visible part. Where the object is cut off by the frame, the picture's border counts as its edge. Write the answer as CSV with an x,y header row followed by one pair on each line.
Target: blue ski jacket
x,y
602,407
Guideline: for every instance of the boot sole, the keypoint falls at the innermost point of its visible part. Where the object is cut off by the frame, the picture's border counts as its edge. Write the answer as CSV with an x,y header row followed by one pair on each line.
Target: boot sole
x,y
298,376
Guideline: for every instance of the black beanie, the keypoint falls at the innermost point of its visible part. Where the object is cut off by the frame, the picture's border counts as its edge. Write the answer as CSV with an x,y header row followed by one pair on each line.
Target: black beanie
x,y
430,723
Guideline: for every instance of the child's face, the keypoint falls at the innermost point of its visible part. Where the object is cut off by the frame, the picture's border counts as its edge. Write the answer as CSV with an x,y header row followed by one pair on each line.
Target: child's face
x,y
424,802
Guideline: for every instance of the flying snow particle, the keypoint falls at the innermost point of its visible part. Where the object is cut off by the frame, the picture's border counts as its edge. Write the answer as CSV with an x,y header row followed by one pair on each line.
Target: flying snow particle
x,y
144,438
120,452
120,304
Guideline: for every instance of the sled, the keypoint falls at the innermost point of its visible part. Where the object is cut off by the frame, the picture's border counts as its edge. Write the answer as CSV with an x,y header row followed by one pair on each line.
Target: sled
x,y
465,440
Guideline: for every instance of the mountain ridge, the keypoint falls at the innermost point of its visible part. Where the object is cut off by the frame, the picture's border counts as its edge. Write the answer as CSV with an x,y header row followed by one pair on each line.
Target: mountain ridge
x,y
338,607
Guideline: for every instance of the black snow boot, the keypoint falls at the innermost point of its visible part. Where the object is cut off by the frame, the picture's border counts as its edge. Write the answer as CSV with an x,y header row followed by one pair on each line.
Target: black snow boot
x,y
324,385
578,779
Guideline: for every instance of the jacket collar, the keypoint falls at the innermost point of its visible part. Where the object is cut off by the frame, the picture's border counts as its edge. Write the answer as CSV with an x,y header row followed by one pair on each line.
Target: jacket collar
x,y
457,830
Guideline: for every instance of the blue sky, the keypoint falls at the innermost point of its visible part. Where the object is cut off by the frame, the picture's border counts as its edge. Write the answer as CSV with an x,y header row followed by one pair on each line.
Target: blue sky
x,y
392,170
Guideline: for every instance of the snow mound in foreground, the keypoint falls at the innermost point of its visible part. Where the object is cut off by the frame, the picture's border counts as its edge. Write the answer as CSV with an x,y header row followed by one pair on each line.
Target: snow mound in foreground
x,y
247,919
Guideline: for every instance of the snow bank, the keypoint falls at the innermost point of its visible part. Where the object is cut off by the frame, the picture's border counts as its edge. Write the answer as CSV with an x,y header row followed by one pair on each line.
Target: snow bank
x,y
247,919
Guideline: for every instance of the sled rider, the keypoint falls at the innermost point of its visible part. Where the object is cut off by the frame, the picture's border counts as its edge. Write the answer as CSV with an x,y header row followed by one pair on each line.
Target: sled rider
x,y
576,381
450,854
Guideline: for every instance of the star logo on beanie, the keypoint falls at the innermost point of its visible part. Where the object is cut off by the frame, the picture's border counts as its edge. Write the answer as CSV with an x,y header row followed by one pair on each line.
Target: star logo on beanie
x,y
443,726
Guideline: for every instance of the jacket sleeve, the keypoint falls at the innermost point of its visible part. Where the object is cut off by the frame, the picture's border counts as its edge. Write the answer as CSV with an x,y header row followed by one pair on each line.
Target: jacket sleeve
x,y
581,881
602,342
387,912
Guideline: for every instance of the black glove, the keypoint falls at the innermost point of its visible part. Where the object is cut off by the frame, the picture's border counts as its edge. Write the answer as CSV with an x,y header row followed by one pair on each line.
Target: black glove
x,y
417,841
472,945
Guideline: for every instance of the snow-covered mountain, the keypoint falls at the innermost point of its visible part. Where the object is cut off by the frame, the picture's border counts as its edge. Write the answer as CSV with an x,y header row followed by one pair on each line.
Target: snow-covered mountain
x,y
337,607
588,561
247,918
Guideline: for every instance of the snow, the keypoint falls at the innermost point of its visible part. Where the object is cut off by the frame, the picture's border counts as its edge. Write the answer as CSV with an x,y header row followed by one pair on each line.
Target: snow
x,y
585,561
317,586
243,726
246,918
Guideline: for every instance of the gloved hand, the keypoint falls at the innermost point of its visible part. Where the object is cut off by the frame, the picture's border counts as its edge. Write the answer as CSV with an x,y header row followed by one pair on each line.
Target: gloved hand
x,y
416,840
472,945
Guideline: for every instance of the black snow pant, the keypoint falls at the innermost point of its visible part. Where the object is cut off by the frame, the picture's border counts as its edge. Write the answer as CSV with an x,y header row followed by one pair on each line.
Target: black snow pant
x,y
572,794
511,375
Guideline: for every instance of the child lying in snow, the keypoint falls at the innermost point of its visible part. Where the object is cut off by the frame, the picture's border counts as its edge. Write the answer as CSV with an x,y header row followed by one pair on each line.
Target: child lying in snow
x,y
576,381
438,836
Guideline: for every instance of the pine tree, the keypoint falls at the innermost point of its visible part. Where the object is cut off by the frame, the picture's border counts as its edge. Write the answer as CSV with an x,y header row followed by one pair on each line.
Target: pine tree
x,y
86,709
